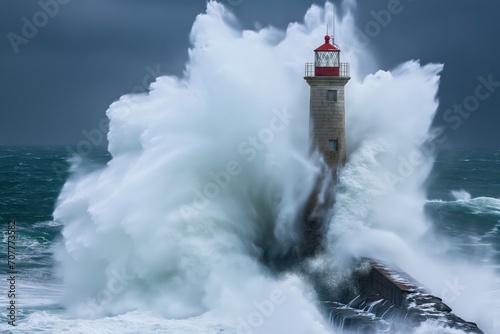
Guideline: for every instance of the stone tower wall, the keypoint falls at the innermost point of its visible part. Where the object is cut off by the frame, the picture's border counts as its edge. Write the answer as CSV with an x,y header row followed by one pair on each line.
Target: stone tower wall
x,y
327,114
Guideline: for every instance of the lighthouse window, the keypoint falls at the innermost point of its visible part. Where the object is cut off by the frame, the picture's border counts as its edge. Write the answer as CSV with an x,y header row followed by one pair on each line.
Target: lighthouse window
x,y
333,145
332,96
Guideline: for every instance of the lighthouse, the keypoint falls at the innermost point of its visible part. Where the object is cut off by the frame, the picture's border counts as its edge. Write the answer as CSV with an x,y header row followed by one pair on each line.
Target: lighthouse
x,y
327,77
398,300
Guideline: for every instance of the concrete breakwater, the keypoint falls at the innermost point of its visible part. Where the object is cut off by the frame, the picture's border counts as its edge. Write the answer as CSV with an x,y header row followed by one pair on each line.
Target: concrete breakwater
x,y
388,299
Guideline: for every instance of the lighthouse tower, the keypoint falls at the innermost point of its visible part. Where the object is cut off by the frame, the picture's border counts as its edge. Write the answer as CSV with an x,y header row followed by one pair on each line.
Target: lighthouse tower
x,y
327,77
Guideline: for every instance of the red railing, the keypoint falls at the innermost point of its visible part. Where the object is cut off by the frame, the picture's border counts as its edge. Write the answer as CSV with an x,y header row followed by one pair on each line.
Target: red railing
x,y
342,71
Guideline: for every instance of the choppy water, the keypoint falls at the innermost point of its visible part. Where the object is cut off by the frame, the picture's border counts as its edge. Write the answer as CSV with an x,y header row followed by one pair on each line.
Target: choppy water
x,y
464,201
131,246
463,204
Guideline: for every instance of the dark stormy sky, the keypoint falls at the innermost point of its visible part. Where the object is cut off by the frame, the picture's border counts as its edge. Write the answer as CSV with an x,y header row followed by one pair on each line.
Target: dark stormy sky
x,y
91,52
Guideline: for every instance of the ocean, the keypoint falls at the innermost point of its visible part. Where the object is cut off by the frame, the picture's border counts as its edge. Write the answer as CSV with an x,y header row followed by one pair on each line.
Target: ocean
x,y
463,203
192,226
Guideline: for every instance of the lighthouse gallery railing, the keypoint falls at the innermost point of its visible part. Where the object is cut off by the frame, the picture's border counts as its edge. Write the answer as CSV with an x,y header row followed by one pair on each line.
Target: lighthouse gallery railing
x,y
345,70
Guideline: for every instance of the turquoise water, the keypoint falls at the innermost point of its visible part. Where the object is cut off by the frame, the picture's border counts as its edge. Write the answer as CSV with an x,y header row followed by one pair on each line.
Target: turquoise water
x,y
464,194
30,181
463,204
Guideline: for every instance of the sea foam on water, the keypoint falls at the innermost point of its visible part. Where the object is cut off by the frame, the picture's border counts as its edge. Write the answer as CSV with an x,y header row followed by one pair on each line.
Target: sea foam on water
x,y
210,174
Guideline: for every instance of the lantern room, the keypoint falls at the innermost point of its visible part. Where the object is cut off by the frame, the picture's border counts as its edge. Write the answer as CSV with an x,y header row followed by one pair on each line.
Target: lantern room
x,y
327,62
327,59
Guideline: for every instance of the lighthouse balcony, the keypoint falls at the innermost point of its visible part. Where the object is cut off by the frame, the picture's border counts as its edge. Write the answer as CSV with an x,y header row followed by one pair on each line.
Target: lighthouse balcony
x,y
323,71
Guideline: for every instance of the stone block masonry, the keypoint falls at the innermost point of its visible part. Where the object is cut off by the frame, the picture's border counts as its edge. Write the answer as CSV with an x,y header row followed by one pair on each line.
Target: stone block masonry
x,y
327,114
